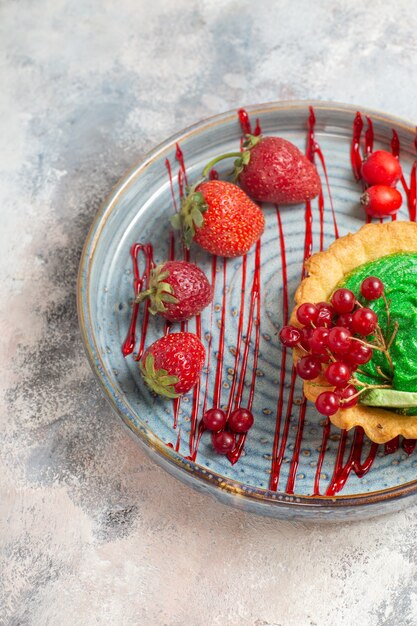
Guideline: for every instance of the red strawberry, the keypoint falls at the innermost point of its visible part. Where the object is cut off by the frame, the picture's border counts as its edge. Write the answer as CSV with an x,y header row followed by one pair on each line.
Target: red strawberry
x,y
177,290
172,365
272,169
221,218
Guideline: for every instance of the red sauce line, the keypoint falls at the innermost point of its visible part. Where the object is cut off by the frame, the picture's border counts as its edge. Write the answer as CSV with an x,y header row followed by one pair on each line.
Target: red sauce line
x,y
297,447
139,281
355,155
239,336
255,300
244,122
180,158
323,449
276,460
195,441
369,136
171,184
411,189
220,353
341,472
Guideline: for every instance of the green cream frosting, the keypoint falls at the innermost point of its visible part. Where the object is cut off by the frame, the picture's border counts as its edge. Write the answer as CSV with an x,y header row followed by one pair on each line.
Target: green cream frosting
x,y
398,272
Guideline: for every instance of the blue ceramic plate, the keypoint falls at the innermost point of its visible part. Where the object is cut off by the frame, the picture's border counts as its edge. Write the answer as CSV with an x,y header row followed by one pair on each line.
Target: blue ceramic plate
x,y
292,465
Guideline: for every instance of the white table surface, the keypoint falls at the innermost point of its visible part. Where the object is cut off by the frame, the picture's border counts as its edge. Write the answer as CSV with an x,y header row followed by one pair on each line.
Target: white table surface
x,y
92,531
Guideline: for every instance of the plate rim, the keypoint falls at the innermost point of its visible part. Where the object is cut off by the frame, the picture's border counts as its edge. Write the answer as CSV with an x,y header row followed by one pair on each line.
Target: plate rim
x,y
144,435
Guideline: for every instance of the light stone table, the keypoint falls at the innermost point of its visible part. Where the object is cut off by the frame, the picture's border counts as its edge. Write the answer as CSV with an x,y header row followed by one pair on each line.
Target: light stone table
x,y
93,532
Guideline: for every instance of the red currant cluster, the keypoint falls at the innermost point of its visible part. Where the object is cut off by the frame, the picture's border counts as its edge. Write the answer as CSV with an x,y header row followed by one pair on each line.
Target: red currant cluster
x,y
239,422
333,338
381,171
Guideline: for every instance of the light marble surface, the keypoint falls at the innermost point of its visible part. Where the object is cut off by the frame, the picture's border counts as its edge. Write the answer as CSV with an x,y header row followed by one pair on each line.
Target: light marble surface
x,y
92,532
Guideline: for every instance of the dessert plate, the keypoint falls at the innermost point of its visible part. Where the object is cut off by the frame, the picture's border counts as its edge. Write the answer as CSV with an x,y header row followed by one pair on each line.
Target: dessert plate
x,y
293,463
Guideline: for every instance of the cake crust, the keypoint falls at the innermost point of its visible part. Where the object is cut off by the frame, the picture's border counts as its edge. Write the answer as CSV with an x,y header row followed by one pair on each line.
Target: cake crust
x,y
325,271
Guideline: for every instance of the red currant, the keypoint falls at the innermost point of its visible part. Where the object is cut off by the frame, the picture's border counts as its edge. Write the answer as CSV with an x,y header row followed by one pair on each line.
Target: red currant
x,y
325,314
364,321
308,367
327,403
346,400
380,201
223,441
307,313
345,319
338,373
289,336
214,419
241,420
381,168
358,354
306,334
372,288
318,340
343,300
339,340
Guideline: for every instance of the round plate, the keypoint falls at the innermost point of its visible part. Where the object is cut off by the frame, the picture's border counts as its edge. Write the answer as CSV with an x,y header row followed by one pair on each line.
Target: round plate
x,y
292,465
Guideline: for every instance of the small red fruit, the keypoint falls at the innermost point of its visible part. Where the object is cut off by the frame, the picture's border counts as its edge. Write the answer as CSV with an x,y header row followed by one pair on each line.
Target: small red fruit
x,y
172,365
358,354
221,218
307,313
177,290
345,319
364,321
308,367
328,403
325,314
214,419
339,340
346,399
343,300
381,168
306,334
380,201
223,441
289,336
338,373
372,288
319,340
241,420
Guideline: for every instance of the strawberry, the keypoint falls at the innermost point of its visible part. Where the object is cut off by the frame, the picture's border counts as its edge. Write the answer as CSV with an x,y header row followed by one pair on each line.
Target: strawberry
x,y
172,365
220,217
177,290
272,169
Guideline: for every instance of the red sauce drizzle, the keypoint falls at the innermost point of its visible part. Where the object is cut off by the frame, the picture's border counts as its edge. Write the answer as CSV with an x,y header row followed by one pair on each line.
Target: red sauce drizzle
x,y
355,154
353,463
180,158
245,122
171,184
277,458
255,301
139,281
409,190
369,136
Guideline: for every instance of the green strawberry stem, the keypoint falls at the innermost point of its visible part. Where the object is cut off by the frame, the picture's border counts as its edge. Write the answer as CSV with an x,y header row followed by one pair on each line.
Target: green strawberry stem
x,y
159,292
190,216
241,158
158,381
212,163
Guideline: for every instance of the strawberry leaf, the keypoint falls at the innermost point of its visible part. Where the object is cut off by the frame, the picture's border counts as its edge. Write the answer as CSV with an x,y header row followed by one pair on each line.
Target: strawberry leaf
x,y
159,291
159,381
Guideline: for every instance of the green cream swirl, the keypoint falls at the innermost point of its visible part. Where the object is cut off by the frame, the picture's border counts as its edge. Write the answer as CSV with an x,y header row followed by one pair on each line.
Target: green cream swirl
x,y
398,272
